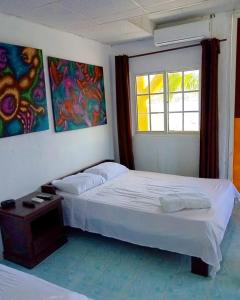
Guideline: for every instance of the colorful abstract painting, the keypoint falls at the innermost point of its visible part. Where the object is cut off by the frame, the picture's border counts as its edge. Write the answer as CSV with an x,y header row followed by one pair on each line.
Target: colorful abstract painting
x,y
77,94
23,105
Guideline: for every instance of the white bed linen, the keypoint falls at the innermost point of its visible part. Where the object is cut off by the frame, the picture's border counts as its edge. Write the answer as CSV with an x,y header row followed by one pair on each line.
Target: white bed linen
x,y
177,198
127,208
17,285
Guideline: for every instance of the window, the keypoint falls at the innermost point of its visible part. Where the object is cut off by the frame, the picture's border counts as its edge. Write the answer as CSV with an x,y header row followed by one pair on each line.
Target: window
x,y
168,101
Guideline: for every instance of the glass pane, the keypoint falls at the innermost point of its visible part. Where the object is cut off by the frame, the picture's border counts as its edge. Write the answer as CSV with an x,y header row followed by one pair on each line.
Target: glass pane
x,y
157,122
143,104
142,84
191,80
156,83
175,82
175,102
191,101
143,122
175,122
157,103
191,122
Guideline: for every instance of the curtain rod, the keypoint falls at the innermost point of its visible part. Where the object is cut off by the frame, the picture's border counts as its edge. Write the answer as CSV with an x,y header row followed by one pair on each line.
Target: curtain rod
x,y
168,50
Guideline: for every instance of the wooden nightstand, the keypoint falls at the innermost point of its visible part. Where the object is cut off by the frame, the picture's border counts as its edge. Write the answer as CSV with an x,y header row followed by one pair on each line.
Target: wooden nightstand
x,y
31,234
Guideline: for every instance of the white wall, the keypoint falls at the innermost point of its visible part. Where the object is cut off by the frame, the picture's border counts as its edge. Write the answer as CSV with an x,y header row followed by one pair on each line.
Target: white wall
x,y
222,29
27,161
166,153
179,153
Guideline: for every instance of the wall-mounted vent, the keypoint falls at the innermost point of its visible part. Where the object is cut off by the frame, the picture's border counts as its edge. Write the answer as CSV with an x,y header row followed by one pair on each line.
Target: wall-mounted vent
x,y
183,33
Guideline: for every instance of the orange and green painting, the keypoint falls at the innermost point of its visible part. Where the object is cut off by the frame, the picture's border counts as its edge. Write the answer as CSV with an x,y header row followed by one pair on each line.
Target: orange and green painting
x,y
23,105
78,96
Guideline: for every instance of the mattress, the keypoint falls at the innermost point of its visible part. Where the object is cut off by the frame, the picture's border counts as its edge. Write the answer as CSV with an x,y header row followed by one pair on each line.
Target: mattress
x,y
16,285
128,208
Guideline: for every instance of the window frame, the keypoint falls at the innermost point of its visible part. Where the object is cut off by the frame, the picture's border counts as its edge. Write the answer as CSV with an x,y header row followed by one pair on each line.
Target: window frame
x,y
149,103
166,102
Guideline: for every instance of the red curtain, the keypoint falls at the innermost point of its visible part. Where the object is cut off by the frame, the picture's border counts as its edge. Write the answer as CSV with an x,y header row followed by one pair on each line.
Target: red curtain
x,y
209,152
123,111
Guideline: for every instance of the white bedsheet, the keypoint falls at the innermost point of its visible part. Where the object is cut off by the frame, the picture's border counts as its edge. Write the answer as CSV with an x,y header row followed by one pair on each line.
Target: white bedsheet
x,y
127,208
17,285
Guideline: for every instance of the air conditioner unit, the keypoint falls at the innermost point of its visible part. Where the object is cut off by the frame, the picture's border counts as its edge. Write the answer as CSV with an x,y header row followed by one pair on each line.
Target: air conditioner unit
x,y
182,33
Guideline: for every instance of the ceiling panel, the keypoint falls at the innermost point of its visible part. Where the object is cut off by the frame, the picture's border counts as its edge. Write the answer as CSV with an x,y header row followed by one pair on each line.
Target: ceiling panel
x,y
117,31
175,4
119,27
97,8
54,15
79,27
120,16
18,7
147,3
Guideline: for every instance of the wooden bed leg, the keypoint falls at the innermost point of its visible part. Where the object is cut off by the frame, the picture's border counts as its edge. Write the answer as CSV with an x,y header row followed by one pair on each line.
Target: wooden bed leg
x,y
199,267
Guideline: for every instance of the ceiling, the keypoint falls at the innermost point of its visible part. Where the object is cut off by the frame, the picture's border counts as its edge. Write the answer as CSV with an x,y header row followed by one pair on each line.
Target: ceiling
x,y
111,21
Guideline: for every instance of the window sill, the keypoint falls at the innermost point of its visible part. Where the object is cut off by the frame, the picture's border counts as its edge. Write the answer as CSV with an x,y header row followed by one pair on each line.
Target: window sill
x,y
161,133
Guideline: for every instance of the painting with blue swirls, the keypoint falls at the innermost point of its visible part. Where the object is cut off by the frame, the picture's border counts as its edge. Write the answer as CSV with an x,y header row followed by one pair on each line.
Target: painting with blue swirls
x,y
77,94
23,105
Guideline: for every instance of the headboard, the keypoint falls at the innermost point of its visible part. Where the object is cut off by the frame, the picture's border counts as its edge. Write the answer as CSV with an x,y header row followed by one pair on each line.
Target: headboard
x,y
50,189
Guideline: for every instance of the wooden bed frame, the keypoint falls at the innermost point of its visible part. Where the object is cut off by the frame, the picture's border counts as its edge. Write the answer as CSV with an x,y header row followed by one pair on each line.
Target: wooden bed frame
x,y
198,266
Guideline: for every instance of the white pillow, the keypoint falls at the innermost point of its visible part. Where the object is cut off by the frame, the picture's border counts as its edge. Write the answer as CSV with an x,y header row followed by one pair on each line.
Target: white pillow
x,y
79,183
108,170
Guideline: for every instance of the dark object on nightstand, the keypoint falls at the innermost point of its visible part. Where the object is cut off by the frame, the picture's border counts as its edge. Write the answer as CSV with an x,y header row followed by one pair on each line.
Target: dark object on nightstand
x,y
28,204
30,235
45,196
8,204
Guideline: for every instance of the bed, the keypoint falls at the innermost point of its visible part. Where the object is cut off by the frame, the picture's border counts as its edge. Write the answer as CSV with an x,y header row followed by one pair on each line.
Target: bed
x,y
127,208
15,285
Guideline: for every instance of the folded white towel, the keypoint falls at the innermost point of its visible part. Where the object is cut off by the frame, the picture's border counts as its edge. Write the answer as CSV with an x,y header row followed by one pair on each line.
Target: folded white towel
x,y
173,202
